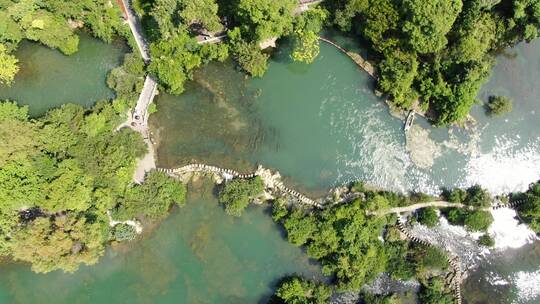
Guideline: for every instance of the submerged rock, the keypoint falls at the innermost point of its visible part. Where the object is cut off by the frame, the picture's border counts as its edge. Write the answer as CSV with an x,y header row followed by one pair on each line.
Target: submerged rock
x,y
423,150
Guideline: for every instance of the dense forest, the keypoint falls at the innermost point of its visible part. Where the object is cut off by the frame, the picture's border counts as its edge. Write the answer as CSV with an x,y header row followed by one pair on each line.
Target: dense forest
x,y
437,52
65,176
432,56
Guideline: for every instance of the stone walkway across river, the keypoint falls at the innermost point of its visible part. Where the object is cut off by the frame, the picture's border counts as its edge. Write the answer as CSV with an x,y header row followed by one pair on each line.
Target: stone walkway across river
x,y
271,181
455,278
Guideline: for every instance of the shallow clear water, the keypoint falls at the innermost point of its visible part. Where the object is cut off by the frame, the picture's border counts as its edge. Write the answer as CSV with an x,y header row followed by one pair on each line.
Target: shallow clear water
x,y
199,254
510,276
307,121
321,126
48,79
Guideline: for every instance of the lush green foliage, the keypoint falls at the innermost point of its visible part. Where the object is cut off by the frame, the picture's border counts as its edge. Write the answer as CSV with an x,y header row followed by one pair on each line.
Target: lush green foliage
x,y
8,66
152,199
248,54
127,80
437,52
343,239
486,240
367,298
473,196
428,217
346,240
306,38
61,173
52,22
296,290
237,193
474,220
499,105
59,242
428,260
427,23
530,210
434,292
173,61
123,232
174,51
173,17
478,220
263,19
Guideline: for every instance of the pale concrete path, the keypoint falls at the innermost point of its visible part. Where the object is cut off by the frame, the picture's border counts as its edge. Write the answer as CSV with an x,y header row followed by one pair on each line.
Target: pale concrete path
x,y
136,30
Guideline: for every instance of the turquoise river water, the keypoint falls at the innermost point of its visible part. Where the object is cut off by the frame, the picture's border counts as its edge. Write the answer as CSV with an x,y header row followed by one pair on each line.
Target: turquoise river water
x,y
48,79
320,125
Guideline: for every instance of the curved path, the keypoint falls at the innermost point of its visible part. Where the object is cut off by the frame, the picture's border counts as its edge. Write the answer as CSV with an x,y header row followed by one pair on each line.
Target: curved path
x,y
455,278
271,181
444,204
136,28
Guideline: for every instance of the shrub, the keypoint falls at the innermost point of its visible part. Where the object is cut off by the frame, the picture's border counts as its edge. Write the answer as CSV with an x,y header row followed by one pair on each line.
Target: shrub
x,y
486,240
499,105
124,232
478,220
455,216
279,210
428,217
237,193
434,292
456,196
428,259
477,197
297,290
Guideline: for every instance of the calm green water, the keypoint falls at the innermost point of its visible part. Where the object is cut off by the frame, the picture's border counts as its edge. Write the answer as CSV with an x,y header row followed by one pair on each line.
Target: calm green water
x,y
197,255
291,120
320,126
512,276
48,79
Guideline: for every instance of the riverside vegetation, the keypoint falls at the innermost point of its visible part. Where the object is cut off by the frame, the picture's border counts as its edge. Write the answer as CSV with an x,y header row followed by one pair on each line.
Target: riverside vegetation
x,y
438,54
346,238
63,174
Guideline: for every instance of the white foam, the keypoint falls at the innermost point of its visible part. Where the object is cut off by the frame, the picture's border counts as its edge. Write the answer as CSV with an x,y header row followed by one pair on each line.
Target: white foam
x,y
507,168
507,231
495,279
452,238
528,285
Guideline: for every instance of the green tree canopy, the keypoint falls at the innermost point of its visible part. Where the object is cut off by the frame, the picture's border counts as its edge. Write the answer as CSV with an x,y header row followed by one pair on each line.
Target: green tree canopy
x,y
264,19
8,66
237,193
296,290
173,61
428,23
